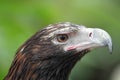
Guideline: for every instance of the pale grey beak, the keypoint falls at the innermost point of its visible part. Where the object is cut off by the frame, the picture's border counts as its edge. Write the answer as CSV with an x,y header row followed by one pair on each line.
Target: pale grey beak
x,y
102,38
93,37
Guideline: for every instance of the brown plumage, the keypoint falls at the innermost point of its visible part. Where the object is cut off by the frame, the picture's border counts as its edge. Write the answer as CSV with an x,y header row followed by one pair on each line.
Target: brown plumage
x,y
52,52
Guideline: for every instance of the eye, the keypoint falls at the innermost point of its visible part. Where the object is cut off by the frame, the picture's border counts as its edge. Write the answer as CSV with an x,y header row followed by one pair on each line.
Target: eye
x,y
62,37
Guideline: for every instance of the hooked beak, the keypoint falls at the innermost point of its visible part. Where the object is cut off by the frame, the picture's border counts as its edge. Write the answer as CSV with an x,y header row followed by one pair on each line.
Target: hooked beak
x,y
102,38
96,38
90,38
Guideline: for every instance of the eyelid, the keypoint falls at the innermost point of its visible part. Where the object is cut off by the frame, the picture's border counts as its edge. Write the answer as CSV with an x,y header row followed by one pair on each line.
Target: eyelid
x,y
61,34
68,33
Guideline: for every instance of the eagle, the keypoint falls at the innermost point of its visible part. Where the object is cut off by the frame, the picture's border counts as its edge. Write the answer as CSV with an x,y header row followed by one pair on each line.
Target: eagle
x,y
52,52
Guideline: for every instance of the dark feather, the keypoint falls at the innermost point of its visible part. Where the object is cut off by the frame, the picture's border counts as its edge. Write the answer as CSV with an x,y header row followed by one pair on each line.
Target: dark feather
x,y
39,59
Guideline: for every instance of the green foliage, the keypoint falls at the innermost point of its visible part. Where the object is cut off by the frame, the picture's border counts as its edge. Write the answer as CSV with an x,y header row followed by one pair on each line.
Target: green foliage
x,y
20,19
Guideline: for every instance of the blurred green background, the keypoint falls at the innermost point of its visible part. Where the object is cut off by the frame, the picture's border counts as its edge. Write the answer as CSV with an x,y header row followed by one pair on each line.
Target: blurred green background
x,y
21,19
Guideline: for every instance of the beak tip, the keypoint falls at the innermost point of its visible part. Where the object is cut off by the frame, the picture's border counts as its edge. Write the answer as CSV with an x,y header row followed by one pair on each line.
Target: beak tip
x,y
110,49
110,46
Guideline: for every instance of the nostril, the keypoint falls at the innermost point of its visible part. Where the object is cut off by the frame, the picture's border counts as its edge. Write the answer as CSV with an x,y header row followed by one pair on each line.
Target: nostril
x,y
90,35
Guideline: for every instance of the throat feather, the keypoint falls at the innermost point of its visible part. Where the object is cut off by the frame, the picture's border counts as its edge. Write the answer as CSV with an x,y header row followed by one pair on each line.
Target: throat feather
x,y
47,69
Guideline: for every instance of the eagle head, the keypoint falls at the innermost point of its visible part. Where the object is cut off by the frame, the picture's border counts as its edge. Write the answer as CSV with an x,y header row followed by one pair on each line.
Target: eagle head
x,y
52,52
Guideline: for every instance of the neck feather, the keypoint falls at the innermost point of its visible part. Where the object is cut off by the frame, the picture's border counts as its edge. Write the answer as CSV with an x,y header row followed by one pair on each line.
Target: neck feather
x,y
49,69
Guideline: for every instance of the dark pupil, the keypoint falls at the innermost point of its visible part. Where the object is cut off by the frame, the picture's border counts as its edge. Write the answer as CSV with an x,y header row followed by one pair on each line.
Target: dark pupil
x,y
62,37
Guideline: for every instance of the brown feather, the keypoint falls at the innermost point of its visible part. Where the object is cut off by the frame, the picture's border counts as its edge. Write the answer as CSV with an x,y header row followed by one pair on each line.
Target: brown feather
x,y
39,59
